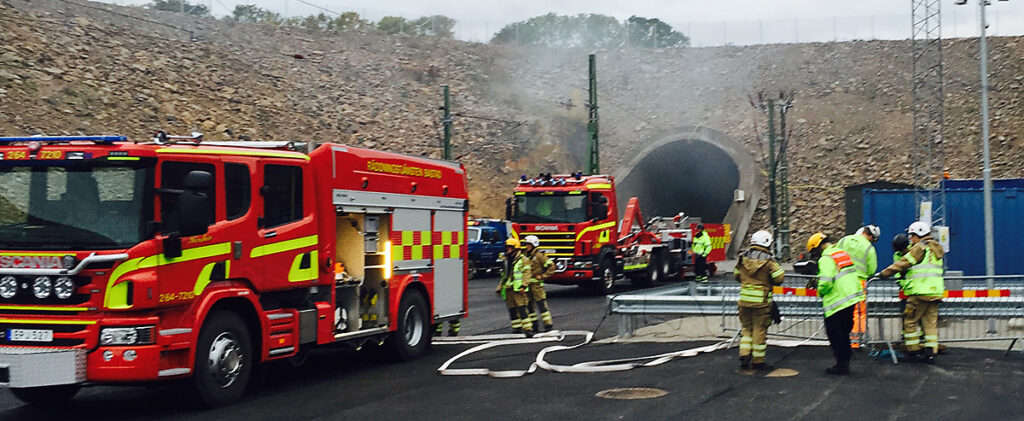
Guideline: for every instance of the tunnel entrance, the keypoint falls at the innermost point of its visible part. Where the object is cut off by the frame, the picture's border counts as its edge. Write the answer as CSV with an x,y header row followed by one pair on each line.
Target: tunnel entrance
x,y
695,170
690,176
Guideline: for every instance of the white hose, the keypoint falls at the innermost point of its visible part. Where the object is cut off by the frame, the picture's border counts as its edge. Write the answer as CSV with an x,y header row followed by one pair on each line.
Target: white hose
x,y
494,341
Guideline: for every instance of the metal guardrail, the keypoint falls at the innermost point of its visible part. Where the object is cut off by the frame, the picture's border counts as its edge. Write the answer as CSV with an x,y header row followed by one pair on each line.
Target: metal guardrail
x,y
968,316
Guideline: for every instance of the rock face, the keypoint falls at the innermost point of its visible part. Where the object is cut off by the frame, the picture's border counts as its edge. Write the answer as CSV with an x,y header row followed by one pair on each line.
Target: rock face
x,y
66,69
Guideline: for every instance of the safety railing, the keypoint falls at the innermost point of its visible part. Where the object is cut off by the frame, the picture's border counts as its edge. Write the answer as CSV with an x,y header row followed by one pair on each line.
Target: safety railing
x,y
976,309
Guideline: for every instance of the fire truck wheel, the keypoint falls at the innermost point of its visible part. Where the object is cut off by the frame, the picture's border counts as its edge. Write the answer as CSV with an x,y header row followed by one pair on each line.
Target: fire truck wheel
x,y
606,272
413,334
46,395
472,270
224,360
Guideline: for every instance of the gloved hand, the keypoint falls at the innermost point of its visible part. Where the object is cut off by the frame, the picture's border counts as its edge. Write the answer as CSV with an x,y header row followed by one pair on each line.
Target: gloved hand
x,y
812,283
882,275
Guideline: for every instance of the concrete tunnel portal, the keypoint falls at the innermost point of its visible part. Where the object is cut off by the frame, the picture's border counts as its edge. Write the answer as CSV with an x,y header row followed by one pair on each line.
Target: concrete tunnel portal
x,y
695,170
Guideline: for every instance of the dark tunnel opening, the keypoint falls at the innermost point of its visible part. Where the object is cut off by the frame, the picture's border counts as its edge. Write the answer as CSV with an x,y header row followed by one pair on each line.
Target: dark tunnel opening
x,y
690,176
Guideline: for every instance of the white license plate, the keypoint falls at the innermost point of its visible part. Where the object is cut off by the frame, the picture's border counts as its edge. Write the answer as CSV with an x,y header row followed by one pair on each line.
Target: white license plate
x,y
30,335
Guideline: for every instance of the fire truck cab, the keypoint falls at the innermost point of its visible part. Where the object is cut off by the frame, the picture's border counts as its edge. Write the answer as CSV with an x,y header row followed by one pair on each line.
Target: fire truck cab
x,y
127,262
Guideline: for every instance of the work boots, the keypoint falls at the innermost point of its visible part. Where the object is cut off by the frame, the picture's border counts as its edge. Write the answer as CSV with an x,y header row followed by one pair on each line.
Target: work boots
x,y
842,368
927,355
745,362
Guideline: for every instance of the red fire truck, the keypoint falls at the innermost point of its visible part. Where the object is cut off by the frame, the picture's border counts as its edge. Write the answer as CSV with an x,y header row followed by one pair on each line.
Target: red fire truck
x,y
576,218
127,262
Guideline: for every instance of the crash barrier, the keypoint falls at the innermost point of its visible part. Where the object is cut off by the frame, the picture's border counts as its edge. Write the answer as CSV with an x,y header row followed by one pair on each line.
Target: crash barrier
x,y
974,309
799,307
484,342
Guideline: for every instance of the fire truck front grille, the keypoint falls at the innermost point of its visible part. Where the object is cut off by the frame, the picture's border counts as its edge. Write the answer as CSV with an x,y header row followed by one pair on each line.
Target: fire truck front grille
x,y
556,244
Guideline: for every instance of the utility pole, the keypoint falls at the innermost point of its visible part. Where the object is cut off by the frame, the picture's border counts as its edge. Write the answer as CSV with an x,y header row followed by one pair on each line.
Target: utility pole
x,y
772,198
594,158
446,121
777,168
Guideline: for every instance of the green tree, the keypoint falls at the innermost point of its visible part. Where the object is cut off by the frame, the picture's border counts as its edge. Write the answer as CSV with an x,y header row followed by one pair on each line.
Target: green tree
x,y
392,25
317,22
434,26
179,6
653,33
253,14
349,21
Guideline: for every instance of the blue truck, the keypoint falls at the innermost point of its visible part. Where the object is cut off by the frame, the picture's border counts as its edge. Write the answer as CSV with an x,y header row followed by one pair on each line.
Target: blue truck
x,y
486,243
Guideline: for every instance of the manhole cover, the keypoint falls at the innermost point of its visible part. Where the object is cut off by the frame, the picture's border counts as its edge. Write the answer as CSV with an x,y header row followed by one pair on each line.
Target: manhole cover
x,y
632,393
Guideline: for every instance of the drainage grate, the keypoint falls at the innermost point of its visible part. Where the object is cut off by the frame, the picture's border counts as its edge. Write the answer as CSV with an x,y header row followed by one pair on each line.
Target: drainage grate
x,y
631,393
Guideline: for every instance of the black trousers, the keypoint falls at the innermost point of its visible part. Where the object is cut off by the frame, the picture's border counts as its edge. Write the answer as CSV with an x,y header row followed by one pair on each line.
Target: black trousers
x,y
838,327
700,265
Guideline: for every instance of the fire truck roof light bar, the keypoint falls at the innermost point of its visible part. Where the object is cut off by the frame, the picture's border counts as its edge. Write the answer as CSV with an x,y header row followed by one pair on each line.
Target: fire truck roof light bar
x,y
97,139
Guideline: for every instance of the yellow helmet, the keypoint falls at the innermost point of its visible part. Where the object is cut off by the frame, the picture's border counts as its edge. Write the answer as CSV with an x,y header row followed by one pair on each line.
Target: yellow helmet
x,y
512,242
815,241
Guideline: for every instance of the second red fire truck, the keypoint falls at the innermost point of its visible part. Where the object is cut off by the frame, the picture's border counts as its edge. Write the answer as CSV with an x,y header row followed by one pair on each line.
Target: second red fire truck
x,y
576,218
125,262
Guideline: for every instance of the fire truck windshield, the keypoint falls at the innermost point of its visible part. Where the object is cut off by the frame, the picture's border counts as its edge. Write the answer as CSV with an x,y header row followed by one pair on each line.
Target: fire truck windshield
x,y
74,205
553,208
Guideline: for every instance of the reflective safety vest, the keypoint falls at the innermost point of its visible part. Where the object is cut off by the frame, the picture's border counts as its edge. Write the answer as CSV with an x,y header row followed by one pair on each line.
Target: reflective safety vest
x,y
862,253
702,244
520,273
838,284
924,277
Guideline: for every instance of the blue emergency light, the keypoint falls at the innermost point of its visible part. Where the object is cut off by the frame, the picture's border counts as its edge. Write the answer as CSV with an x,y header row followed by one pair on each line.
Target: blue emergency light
x,y
97,139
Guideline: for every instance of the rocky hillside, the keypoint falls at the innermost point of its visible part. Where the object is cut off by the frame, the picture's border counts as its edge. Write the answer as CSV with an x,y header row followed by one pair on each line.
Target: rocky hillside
x,y
97,68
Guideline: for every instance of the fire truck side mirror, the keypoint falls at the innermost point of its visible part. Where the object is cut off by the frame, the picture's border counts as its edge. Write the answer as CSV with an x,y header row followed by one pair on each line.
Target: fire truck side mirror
x,y
195,204
508,208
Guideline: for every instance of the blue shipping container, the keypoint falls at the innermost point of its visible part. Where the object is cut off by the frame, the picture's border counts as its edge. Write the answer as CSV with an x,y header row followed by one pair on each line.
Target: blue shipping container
x,y
894,210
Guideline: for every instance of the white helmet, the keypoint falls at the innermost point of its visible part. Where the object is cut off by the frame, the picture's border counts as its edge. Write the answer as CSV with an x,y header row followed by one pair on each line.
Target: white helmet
x,y
872,230
532,240
919,229
761,238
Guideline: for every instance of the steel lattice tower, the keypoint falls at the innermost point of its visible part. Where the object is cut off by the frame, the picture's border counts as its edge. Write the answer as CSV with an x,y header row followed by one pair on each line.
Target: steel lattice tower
x,y
927,153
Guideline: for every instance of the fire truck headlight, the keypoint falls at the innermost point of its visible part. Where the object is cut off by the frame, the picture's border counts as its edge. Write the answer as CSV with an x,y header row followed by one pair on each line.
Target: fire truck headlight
x,y
42,287
135,335
8,286
64,287
69,261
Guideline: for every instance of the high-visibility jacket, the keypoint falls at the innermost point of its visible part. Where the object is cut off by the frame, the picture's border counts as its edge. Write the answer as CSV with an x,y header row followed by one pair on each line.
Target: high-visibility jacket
x,y
702,244
541,267
925,276
838,284
520,276
923,267
757,272
862,252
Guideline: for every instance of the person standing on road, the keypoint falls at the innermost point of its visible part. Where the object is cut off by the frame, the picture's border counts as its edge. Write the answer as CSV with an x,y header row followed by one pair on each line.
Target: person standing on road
x,y
924,287
839,289
514,285
700,249
541,268
860,246
757,271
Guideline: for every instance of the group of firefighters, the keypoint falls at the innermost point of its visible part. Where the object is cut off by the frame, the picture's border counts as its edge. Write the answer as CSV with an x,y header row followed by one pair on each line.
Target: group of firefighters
x,y
522,285
842,270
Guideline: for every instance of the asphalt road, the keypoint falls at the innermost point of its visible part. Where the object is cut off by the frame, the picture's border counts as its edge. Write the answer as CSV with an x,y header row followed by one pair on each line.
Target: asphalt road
x,y
344,377
339,384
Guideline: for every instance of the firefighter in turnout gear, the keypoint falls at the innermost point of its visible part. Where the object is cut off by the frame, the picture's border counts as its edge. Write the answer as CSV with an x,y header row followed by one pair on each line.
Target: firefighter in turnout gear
x,y
900,245
924,287
860,246
757,271
541,268
514,286
840,290
700,249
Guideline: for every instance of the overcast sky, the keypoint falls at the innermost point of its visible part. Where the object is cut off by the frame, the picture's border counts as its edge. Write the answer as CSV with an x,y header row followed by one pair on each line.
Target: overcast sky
x,y
706,22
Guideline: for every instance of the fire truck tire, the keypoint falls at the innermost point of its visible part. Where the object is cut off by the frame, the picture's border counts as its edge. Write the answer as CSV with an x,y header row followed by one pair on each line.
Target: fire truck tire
x,y
224,360
606,272
413,334
472,270
46,395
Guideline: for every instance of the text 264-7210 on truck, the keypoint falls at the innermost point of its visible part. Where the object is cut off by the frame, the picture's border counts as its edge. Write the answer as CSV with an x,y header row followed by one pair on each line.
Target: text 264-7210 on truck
x,y
576,218
125,262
